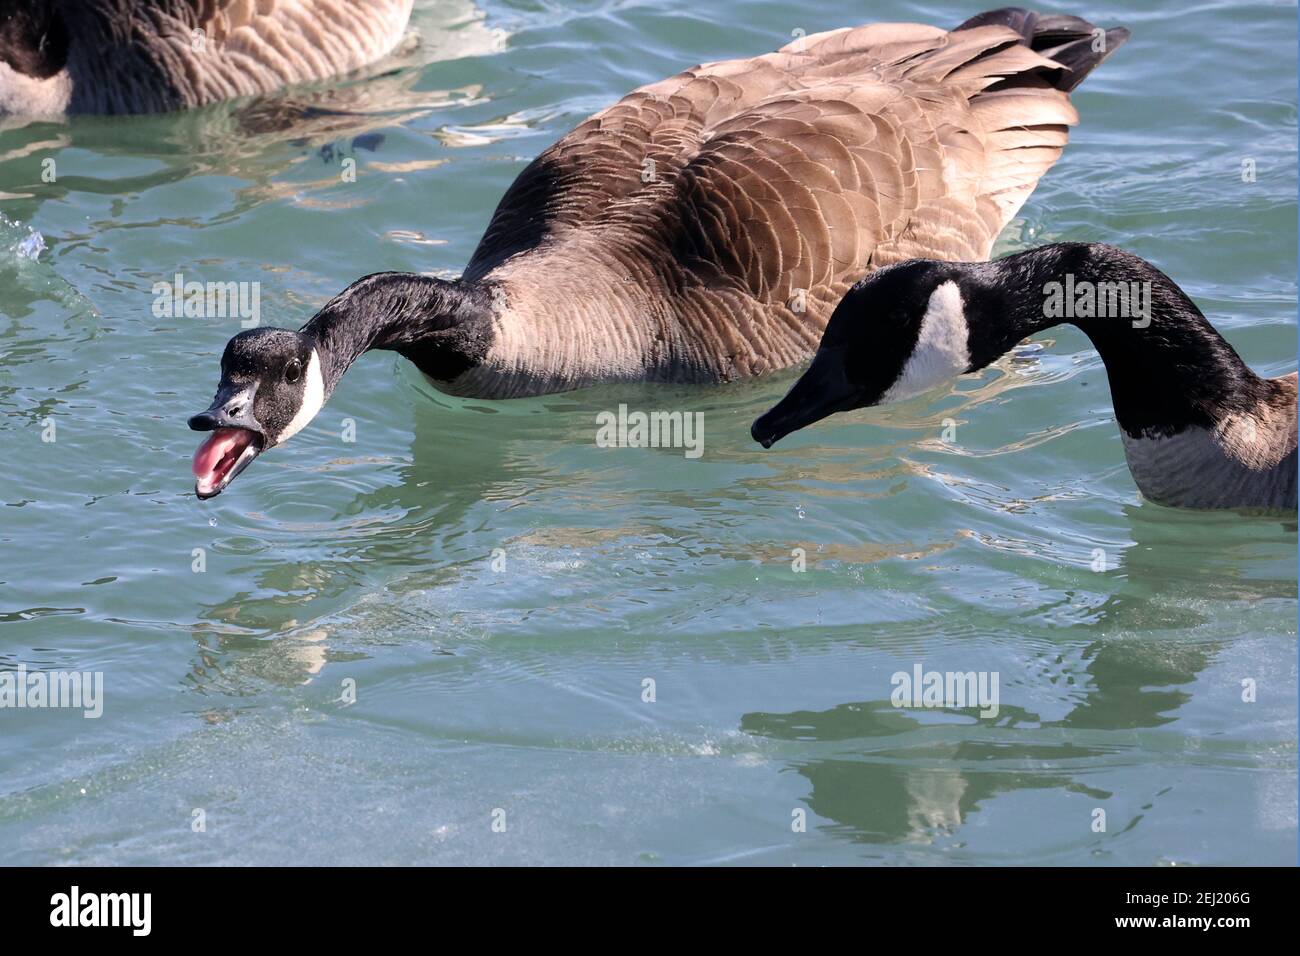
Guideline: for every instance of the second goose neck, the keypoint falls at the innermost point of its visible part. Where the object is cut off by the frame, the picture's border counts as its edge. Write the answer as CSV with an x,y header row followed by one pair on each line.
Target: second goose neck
x,y
1168,368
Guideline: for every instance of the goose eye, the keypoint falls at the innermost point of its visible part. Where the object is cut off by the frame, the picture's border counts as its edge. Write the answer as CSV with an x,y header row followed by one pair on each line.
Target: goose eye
x,y
293,371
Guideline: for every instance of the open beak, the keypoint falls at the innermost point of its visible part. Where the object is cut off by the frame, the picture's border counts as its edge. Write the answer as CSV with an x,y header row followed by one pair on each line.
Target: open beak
x,y
235,441
823,389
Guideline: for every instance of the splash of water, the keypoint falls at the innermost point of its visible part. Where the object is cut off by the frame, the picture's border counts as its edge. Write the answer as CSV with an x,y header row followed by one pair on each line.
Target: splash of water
x,y
23,241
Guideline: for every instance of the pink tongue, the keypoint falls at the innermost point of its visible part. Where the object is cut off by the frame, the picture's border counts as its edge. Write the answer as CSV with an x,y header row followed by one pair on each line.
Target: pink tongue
x,y
222,443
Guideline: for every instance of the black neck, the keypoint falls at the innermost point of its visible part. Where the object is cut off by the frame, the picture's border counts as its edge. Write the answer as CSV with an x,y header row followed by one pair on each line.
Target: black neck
x,y
440,325
1168,367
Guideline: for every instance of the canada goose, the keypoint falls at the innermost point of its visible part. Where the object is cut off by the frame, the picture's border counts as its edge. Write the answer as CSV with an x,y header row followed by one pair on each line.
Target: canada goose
x,y
1200,429
146,56
702,228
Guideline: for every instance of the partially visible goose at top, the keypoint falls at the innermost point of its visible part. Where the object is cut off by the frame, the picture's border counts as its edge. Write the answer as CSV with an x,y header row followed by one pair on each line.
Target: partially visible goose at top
x,y
1200,429
702,228
146,56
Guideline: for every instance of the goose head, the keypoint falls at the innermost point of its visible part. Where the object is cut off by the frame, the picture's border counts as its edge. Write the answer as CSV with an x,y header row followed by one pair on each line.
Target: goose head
x,y
897,333
271,387
274,381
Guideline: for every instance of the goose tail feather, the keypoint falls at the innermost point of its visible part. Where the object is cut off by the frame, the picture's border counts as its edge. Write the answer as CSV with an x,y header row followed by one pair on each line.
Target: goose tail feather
x,y
1077,45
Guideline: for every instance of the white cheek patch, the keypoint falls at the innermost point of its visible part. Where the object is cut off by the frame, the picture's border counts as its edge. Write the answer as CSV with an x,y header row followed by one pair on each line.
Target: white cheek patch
x,y
313,397
941,352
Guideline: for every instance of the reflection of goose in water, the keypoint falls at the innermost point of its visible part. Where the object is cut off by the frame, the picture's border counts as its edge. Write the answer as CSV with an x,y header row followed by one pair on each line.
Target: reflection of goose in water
x,y
908,792
865,785
1098,679
882,795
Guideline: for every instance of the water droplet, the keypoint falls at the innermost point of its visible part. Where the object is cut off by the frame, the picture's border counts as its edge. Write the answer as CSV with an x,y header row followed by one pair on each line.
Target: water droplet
x,y
32,246
29,246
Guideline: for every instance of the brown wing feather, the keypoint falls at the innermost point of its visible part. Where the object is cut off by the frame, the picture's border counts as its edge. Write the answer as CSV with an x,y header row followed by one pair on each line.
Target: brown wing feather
x,y
775,182
898,101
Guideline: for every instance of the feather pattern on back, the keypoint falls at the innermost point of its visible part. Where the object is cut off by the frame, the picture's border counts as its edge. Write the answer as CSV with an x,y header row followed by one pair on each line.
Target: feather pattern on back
x,y
703,227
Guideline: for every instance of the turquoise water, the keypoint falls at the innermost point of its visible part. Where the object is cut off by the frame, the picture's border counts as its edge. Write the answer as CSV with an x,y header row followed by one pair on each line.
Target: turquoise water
x,y
497,589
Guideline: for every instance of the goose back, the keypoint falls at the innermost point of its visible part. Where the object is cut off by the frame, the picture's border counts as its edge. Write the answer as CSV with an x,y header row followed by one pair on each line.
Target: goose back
x,y
704,227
